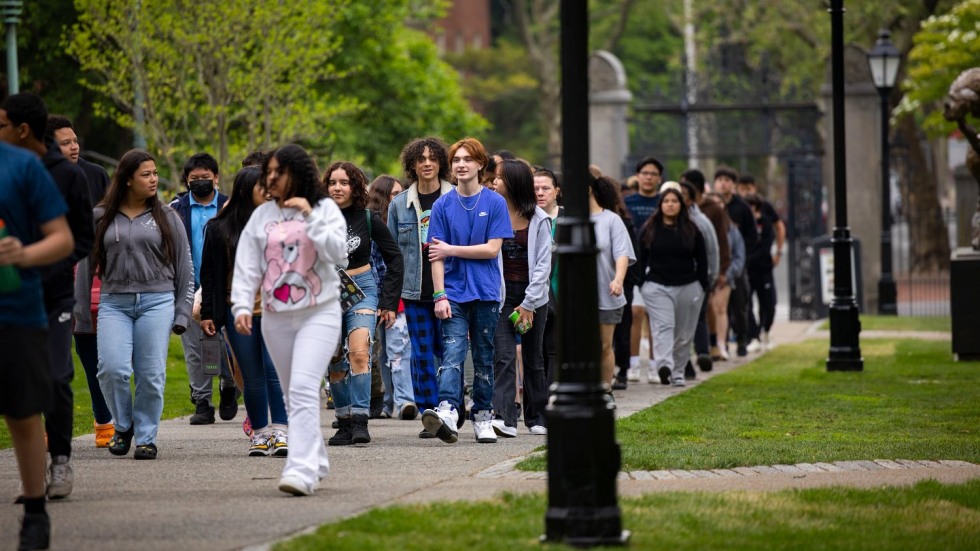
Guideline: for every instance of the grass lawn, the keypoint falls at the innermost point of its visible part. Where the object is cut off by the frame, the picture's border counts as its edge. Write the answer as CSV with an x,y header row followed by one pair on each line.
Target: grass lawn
x,y
904,323
176,399
912,401
926,516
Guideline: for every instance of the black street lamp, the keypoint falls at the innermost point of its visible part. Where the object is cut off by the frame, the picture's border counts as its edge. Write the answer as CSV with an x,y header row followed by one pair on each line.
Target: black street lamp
x,y
583,456
845,326
883,60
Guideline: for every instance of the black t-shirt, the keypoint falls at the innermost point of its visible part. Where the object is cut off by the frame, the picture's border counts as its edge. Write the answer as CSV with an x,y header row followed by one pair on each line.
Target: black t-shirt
x,y
426,201
768,212
359,242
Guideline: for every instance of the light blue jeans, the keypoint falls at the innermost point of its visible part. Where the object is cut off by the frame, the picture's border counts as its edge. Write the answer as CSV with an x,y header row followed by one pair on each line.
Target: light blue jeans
x,y
352,394
134,334
396,366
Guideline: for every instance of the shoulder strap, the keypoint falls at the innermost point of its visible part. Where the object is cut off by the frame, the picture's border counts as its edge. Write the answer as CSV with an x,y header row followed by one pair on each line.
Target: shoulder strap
x,y
367,214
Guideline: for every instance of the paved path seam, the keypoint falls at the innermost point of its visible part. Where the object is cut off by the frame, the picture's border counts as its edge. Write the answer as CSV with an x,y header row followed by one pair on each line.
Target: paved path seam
x,y
506,469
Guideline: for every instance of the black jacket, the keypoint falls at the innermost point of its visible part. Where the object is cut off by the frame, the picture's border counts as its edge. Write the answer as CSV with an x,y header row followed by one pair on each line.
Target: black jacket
x,y
98,180
59,278
216,264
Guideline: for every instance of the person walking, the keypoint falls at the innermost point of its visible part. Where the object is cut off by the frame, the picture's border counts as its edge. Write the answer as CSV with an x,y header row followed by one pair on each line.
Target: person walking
x,y
426,165
526,261
262,392
61,131
614,259
143,257
467,230
547,189
396,350
350,376
33,232
196,206
675,262
289,249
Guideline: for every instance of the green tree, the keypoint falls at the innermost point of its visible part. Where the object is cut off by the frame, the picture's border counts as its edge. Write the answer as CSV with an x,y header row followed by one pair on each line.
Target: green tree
x,y
240,75
945,46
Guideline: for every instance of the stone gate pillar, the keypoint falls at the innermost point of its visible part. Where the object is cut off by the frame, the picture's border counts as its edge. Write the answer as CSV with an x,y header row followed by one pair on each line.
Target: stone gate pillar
x,y
609,98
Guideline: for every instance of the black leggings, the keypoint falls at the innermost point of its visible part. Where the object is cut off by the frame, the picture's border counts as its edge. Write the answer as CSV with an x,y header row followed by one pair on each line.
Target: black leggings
x,y
764,287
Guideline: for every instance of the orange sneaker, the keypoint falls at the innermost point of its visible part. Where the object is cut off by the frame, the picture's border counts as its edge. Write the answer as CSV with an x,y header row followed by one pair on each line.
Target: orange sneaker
x,y
103,433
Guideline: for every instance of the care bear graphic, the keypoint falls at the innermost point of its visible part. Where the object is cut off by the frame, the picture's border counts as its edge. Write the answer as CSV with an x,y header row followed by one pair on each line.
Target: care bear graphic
x,y
289,279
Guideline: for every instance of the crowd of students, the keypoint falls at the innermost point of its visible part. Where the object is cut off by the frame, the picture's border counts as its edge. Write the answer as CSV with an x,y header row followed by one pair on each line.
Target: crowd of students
x,y
384,293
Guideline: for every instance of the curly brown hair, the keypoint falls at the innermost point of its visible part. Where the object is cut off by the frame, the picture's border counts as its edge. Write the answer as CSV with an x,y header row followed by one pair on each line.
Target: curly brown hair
x,y
412,153
358,182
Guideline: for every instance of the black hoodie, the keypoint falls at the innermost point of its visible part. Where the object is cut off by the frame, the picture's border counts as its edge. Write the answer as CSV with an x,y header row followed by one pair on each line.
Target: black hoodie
x,y
59,278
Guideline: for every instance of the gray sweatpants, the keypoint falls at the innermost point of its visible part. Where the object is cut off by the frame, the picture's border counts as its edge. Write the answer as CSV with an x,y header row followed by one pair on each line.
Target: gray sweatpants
x,y
673,314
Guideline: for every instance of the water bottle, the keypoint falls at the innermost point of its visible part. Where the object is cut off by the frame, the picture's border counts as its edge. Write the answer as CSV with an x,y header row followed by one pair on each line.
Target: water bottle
x,y
9,274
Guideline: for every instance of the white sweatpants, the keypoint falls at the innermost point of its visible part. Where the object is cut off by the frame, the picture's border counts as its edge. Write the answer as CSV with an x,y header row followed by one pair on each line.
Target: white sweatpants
x,y
674,316
300,345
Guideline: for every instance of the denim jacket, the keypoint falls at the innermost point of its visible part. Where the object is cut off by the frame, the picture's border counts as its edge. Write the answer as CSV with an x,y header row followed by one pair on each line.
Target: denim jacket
x,y
406,225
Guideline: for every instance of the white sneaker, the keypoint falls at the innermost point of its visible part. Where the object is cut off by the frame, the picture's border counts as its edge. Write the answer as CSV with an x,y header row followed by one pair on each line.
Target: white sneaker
x,y
502,429
754,346
293,485
60,477
633,374
538,430
483,428
442,422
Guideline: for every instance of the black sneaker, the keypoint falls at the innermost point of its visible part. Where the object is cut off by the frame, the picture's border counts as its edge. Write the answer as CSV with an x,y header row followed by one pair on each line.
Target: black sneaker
x,y
742,351
689,372
228,406
377,406
121,441
204,415
664,374
359,429
704,363
35,531
343,435
619,383
145,451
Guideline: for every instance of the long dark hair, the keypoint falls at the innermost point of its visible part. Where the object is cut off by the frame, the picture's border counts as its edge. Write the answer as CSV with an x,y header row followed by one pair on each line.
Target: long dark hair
x,y
303,177
379,195
684,225
605,190
114,198
358,182
228,223
520,186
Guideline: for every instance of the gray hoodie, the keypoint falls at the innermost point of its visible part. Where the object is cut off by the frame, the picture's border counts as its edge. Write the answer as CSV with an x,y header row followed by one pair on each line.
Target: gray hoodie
x,y
135,263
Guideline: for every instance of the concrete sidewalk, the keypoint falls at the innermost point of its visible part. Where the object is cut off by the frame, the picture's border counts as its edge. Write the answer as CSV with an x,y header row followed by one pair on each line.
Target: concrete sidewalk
x,y
203,492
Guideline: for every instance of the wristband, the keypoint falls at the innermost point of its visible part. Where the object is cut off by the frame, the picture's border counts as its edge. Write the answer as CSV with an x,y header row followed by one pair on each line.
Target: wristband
x,y
436,295
442,298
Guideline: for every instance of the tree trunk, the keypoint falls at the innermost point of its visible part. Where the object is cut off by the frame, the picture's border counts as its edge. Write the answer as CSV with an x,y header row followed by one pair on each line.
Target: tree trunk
x,y
928,236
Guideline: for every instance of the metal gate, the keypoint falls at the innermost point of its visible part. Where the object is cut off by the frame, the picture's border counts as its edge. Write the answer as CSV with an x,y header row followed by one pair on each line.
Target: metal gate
x,y
748,132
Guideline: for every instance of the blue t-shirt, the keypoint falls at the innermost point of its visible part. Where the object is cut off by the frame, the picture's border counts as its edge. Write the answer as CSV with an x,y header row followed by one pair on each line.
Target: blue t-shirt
x,y
475,220
28,200
641,208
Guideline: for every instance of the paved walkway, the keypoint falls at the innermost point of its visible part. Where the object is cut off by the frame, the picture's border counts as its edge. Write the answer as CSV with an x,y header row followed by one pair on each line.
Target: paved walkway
x,y
203,492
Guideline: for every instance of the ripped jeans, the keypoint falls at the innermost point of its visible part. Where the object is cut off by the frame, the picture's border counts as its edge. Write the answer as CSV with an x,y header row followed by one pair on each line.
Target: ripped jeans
x,y
352,394
478,319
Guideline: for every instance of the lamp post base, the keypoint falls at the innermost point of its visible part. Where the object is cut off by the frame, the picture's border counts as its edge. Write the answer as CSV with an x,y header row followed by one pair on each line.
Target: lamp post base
x,y
845,347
